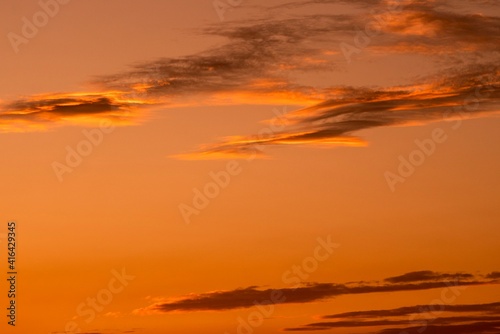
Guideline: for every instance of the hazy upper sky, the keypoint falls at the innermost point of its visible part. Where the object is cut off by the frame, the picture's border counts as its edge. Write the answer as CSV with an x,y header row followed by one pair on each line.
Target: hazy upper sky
x,y
248,166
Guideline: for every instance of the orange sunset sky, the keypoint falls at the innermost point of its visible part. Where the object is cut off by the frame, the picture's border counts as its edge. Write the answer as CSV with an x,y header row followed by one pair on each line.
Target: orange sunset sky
x,y
251,166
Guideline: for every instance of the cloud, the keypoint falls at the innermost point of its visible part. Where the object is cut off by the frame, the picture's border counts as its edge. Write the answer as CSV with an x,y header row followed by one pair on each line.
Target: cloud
x,y
42,111
262,57
307,293
494,275
473,93
253,66
432,27
404,311
443,326
425,275
483,327
438,316
266,60
429,27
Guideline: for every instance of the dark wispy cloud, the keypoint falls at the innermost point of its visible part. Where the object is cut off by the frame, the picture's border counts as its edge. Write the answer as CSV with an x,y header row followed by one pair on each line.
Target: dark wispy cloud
x,y
265,60
447,325
253,65
483,327
306,293
468,85
261,56
404,311
334,121
38,112
426,275
415,319
494,275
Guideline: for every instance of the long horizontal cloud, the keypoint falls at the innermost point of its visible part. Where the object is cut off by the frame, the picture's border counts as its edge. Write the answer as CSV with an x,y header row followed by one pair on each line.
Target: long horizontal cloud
x,y
494,275
484,327
404,311
40,111
312,292
468,317
444,325
427,275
